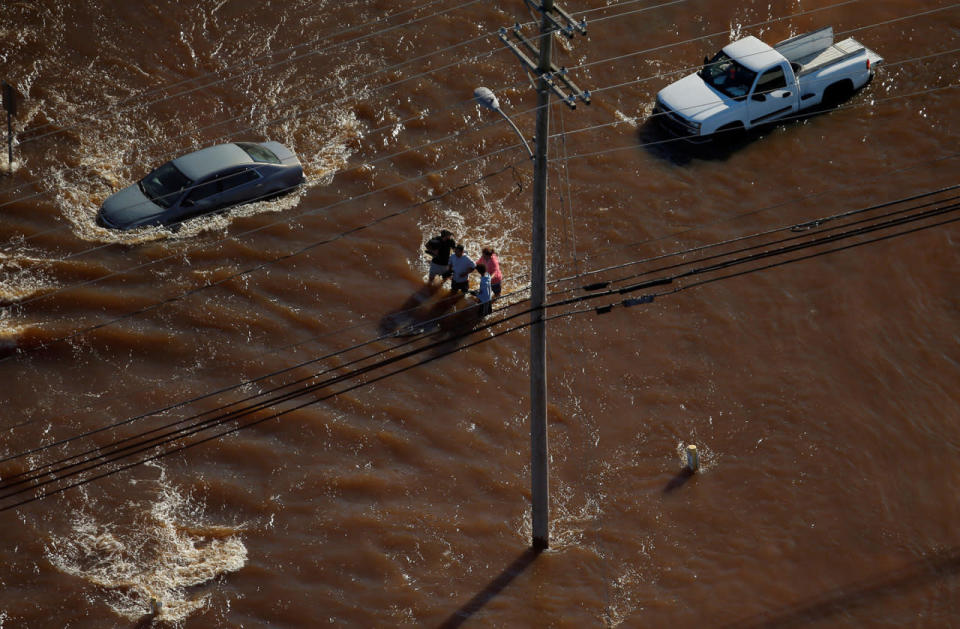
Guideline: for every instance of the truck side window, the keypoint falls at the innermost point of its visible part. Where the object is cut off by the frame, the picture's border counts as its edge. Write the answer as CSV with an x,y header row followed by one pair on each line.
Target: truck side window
x,y
771,80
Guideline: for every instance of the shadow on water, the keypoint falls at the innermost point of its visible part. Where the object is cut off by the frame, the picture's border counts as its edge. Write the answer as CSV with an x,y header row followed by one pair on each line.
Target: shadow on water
x,y
679,480
422,312
492,589
661,144
935,567
433,311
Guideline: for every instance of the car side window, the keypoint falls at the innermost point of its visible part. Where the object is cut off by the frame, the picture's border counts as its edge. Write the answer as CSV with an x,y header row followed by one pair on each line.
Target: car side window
x,y
771,80
239,178
204,190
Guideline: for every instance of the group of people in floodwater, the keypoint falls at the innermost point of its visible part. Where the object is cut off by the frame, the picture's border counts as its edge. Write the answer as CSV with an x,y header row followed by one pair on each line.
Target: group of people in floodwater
x,y
447,259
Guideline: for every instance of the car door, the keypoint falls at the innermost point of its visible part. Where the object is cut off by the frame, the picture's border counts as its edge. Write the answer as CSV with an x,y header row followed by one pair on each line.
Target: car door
x,y
200,199
239,185
771,97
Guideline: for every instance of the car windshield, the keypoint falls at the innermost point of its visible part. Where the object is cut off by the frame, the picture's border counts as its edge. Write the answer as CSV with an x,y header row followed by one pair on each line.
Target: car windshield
x,y
728,76
164,184
259,153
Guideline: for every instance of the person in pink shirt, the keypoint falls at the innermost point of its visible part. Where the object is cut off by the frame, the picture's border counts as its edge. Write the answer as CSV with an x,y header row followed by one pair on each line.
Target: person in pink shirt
x,y
490,260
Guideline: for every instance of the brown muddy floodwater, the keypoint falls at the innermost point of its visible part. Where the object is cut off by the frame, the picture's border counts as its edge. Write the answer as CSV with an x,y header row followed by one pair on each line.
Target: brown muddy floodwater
x,y
222,419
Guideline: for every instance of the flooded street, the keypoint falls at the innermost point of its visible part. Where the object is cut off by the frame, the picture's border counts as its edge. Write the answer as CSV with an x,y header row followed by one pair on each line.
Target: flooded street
x,y
266,417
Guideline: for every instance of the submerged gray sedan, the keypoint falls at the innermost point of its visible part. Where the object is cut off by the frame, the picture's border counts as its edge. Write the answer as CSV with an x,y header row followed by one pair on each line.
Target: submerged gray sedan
x,y
202,182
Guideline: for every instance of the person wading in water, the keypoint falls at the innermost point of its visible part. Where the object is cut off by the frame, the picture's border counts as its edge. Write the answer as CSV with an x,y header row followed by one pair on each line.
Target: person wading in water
x,y
439,248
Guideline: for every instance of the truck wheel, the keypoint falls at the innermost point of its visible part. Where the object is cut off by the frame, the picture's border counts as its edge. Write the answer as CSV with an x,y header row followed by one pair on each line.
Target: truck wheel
x,y
730,130
837,93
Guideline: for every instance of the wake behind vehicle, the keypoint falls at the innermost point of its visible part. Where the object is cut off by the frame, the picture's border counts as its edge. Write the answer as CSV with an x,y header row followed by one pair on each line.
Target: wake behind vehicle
x,y
749,83
202,182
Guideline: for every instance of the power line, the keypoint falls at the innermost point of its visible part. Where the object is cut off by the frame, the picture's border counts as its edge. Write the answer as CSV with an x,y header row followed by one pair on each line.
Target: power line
x,y
152,445
650,297
295,252
219,420
458,63
800,227
809,244
21,351
456,134
471,59
272,66
918,228
797,227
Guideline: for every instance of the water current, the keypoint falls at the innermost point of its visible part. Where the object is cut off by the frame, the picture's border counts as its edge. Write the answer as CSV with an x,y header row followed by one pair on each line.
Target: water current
x,y
266,417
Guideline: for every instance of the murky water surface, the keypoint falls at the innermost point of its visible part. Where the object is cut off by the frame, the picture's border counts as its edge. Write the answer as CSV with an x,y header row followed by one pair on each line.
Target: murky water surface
x,y
234,420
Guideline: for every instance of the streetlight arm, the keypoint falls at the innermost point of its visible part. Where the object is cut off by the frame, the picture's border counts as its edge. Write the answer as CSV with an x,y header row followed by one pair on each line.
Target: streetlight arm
x,y
522,139
486,98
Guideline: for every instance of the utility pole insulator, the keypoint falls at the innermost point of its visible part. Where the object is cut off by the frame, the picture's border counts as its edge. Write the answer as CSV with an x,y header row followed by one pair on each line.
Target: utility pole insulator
x,y
569,27
529,50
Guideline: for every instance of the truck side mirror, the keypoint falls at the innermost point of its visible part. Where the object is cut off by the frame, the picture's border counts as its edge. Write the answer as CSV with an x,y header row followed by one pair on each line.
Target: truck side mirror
x,y
759,97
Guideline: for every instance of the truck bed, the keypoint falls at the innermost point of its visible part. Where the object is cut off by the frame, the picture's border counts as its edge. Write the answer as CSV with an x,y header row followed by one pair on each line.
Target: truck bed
x,y
837,52
812,51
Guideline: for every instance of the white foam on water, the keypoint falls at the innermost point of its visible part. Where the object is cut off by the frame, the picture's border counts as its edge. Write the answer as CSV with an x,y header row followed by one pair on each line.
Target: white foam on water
x,y
10,331
620,592
571,520
162,549
22,276
493,222
104,160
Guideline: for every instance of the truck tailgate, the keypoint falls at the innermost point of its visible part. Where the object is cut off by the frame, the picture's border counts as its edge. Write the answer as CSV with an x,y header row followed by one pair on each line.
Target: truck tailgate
x,y
873,57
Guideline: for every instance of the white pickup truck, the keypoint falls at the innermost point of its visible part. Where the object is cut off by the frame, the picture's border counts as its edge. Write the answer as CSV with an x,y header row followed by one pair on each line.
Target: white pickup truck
x,y
749,83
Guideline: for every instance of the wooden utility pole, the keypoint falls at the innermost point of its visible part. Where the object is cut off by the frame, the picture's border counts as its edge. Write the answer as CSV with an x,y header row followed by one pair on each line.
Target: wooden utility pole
x,y
539,462
548,77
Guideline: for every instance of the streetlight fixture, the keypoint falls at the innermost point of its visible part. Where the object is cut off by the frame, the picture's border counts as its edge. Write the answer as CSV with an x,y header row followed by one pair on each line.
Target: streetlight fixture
x,y
486,98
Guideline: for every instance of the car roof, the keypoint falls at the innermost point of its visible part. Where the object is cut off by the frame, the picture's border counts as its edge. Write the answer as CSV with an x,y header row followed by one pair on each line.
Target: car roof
x,y
212,159
753,53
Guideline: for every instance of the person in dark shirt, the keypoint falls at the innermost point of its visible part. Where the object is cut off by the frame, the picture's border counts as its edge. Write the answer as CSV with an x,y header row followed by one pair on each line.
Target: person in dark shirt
x,y
439,248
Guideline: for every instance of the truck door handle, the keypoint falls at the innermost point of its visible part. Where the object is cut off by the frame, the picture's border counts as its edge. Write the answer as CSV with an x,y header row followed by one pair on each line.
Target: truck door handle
x,y
785,95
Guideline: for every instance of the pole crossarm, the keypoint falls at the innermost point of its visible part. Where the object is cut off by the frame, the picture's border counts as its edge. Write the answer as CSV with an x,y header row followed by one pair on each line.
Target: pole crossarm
x,y
570,26
569,93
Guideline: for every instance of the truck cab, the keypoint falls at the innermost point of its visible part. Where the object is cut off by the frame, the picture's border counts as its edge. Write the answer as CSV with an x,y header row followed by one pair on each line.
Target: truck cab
x,y
750,72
